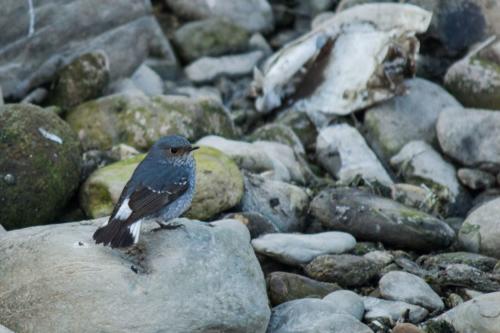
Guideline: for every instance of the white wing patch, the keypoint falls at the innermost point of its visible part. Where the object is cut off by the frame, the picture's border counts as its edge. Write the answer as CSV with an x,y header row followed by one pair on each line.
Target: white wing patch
x,y
124,212
135,230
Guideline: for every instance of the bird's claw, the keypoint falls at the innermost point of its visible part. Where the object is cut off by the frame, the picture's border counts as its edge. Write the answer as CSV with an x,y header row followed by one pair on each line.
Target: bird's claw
x,y
169,226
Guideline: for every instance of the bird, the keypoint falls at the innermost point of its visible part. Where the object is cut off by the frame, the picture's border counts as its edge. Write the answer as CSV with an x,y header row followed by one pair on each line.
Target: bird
x,y
161,188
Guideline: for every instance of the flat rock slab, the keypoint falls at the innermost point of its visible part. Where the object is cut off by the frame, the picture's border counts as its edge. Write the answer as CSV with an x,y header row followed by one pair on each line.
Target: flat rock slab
x,y
406,287
373,218
296,249
193,279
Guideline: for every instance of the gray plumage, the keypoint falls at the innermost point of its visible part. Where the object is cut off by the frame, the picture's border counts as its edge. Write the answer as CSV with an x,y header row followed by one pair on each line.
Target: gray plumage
x,y
161,187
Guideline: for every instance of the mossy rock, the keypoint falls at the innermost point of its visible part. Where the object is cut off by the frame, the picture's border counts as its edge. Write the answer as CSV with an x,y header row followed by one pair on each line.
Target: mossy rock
x,y
83,79
39,165
139,121
219,185
279,133
301,124
211,37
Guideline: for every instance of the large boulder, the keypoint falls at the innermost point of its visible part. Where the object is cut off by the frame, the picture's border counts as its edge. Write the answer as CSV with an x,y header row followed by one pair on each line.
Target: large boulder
x,y
370,217
139,121
194,279
253,15
39,165
219,185
64,30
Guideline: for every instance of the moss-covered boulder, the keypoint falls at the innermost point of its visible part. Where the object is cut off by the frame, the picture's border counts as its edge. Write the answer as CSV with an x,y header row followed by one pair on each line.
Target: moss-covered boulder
x,y
279,133
139,121
211,37
39,165
219,185
81,80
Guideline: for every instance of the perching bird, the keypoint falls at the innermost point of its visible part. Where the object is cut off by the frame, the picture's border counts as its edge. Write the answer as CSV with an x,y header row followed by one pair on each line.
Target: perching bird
x,y
161,187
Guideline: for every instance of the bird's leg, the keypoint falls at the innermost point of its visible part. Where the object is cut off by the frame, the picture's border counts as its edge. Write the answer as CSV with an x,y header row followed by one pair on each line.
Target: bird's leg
x,y
169,226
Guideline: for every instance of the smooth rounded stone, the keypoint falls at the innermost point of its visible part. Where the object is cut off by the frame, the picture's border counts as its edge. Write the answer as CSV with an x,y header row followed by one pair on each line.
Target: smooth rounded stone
x,y
273,158
64,31
475,80
479,315
406,328
122,152
298,249
480,232
406,287
419,197
183,277
476,179
209,38
301,124
198,92
382,258
40,165
342,151
4,329
393,123
81,80
310,315
139,121
347,302
219,185
2,231
345,269
253,15
285,205
148,81
256,223
207,69
484,263
283,287
395,310
259,42
279,133
419,163
373,218
470,136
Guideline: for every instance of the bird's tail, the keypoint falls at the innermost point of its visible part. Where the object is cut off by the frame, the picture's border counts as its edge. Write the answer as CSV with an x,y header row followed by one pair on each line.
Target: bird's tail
x,y
118,233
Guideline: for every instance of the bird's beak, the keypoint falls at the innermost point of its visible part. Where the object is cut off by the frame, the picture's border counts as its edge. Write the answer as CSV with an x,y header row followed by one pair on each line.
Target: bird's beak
x,y
193,148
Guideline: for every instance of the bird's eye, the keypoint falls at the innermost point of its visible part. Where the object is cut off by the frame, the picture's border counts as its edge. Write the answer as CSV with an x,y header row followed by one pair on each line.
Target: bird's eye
x,y
174,150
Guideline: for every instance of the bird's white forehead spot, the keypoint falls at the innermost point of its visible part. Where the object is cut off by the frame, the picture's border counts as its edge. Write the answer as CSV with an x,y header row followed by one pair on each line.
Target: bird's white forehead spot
x,y
124,212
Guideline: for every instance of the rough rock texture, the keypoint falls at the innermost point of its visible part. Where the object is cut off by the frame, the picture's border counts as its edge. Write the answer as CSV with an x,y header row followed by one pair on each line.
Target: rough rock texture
x,y
342,151
392,124
64,30
285,205
374,218
479,315
297,249
253,15
39,165
441,260
480,231
476,179
381,308
210,38
139,121
184,278
283,287
406,287
219,185
81,80
312,316
470,136
345,269
301,124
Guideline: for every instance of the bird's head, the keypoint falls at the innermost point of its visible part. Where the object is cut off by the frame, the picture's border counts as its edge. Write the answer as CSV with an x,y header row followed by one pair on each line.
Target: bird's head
x,y
174,148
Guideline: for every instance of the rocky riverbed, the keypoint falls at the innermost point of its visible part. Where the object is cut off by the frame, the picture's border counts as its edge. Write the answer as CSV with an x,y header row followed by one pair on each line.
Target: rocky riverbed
x,y
348,179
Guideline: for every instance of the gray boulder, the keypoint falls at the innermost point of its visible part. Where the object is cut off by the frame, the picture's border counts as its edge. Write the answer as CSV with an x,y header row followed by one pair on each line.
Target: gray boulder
x,y
392,124
480,232
370,217
64,30
310,315
39,166
285,205
182,280
297,249
395,310
348,302
476,179
406,287
470,136
147,80
253,15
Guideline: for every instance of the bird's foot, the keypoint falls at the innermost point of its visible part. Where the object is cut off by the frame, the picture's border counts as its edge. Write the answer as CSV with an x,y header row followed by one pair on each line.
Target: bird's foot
x,y
169,226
